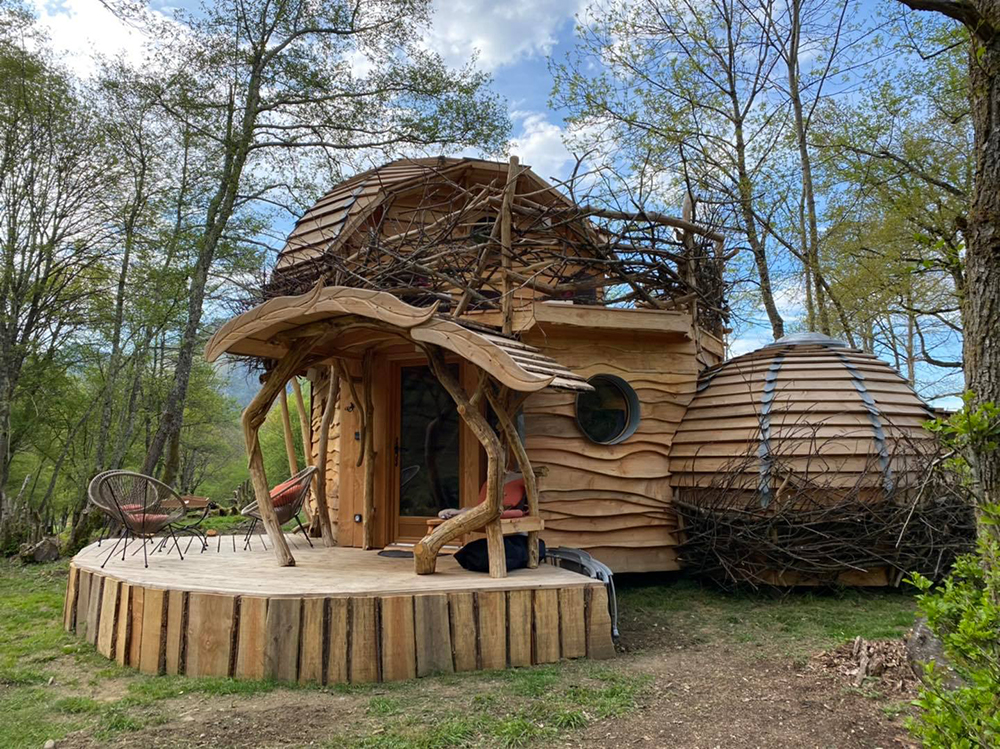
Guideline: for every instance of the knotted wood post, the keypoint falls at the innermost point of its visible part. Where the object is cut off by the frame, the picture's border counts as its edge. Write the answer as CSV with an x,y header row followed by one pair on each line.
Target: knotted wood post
x,y
332,400
504,404
252,419
305,428
487,513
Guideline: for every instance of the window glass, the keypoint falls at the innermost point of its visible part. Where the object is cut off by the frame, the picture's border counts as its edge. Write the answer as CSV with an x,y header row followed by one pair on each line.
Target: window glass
x,y
610,413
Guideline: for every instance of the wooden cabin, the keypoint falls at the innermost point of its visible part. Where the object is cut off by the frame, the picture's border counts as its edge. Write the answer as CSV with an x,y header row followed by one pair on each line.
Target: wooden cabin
x,y
623,313
601,456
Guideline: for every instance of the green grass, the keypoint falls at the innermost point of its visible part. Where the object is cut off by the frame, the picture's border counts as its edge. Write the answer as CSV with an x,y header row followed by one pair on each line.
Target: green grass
x,y
794,621
512,708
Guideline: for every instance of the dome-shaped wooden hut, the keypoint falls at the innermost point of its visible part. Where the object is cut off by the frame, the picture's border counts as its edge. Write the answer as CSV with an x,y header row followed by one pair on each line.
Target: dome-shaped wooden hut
x,y
801,460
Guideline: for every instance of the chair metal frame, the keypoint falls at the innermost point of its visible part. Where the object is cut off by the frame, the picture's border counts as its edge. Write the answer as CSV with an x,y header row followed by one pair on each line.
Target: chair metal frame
x,y
285,512
110,493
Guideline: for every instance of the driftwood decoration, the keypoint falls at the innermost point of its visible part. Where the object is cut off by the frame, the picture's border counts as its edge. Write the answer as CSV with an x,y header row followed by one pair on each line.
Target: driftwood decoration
x,y
487,513
253,418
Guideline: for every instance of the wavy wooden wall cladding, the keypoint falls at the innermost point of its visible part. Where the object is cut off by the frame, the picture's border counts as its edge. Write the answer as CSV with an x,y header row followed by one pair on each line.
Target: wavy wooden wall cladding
x,y
612,500
330,640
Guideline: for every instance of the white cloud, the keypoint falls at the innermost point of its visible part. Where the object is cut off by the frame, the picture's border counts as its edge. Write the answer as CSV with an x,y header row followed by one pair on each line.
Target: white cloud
x,y
80,28
540,145
751,340
501,32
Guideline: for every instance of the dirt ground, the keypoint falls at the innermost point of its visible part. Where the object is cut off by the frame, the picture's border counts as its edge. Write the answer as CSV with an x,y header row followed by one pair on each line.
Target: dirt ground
x,y
702,695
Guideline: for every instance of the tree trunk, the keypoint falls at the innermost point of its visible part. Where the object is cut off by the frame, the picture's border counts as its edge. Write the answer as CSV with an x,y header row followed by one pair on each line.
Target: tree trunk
x,y
981,305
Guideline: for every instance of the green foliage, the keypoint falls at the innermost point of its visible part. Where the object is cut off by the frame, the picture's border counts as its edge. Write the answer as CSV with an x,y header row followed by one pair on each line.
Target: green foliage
x,y
964,612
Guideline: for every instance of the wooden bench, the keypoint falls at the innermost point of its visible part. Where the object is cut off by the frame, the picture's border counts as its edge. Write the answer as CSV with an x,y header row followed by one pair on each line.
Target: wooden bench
x,y
509,526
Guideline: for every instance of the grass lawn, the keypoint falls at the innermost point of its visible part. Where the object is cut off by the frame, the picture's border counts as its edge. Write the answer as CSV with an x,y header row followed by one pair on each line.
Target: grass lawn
x,y
55,686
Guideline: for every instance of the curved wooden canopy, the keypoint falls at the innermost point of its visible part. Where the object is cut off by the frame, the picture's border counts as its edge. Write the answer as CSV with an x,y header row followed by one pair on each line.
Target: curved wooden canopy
x,y
268,329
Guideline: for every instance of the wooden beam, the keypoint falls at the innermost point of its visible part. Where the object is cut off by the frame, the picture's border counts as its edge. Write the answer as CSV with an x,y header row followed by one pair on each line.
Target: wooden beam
x,y
286,422
367,386
305,428
332,400
252,419
507,255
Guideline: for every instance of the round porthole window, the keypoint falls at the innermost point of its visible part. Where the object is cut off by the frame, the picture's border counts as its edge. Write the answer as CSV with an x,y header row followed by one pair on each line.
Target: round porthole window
x,y
609,413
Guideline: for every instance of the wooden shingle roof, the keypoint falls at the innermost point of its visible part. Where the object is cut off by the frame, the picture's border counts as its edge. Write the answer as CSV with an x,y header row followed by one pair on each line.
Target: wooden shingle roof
x,y
326,226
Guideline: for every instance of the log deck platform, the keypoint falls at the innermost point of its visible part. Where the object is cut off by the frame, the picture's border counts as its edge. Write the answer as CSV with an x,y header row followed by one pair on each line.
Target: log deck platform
x,y
340,615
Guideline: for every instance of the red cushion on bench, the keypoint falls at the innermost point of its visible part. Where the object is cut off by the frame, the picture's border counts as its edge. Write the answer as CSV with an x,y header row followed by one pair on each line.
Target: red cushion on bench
x,y
511,514
513,494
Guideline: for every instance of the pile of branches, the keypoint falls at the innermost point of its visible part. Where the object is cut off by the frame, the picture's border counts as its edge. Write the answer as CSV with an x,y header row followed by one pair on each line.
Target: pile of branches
x,y
561,251
813,529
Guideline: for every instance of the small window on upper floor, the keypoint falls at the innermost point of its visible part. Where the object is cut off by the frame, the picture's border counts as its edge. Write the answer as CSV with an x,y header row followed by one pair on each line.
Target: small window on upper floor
x,y
482,229
608,414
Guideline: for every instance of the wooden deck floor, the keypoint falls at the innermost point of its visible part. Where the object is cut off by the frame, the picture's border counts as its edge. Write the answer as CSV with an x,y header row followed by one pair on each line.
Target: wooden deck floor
x,y
318,571
340,615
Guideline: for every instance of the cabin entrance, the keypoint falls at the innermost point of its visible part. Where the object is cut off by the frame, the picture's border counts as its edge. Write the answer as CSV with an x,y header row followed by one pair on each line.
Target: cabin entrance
x,y
426,451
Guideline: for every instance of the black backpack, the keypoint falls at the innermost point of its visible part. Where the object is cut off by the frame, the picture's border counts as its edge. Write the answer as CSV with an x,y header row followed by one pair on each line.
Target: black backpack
x,y
475,556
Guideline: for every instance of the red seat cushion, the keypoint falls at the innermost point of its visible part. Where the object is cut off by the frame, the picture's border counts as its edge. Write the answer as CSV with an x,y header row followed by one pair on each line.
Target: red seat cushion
x,y
513,495
511,514
145,523
285,492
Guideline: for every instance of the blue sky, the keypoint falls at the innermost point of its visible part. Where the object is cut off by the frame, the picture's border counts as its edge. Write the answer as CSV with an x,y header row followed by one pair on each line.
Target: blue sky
x,y
513,41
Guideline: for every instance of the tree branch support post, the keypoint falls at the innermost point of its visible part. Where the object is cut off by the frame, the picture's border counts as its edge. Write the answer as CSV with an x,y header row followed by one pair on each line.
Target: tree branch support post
x,y
286,423
332,399
305,427
487,514
252,419
507,253
504,406
367,386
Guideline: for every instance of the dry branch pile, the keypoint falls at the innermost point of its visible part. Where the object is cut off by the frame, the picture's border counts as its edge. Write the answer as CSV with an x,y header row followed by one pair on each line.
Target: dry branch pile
x,y
818,526
449,245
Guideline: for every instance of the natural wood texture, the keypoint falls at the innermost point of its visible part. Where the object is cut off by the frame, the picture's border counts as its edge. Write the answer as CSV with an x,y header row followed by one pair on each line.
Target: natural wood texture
x,y
487,513
153,612
94,607
253,418
368,446
599,642
364,658
109,612
492,630
323,455
79,615
124,624
137,595
398,647
464,630
611,500
281,640
337,642
252,638
176,602
345,632
433,635
305,427
69,604
209,634
286,430
573,622
519,616
311,653
818,422
546,629
507,259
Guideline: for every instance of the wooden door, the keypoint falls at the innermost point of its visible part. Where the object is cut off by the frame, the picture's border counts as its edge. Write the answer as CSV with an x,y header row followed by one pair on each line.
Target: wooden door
x,y
427,467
